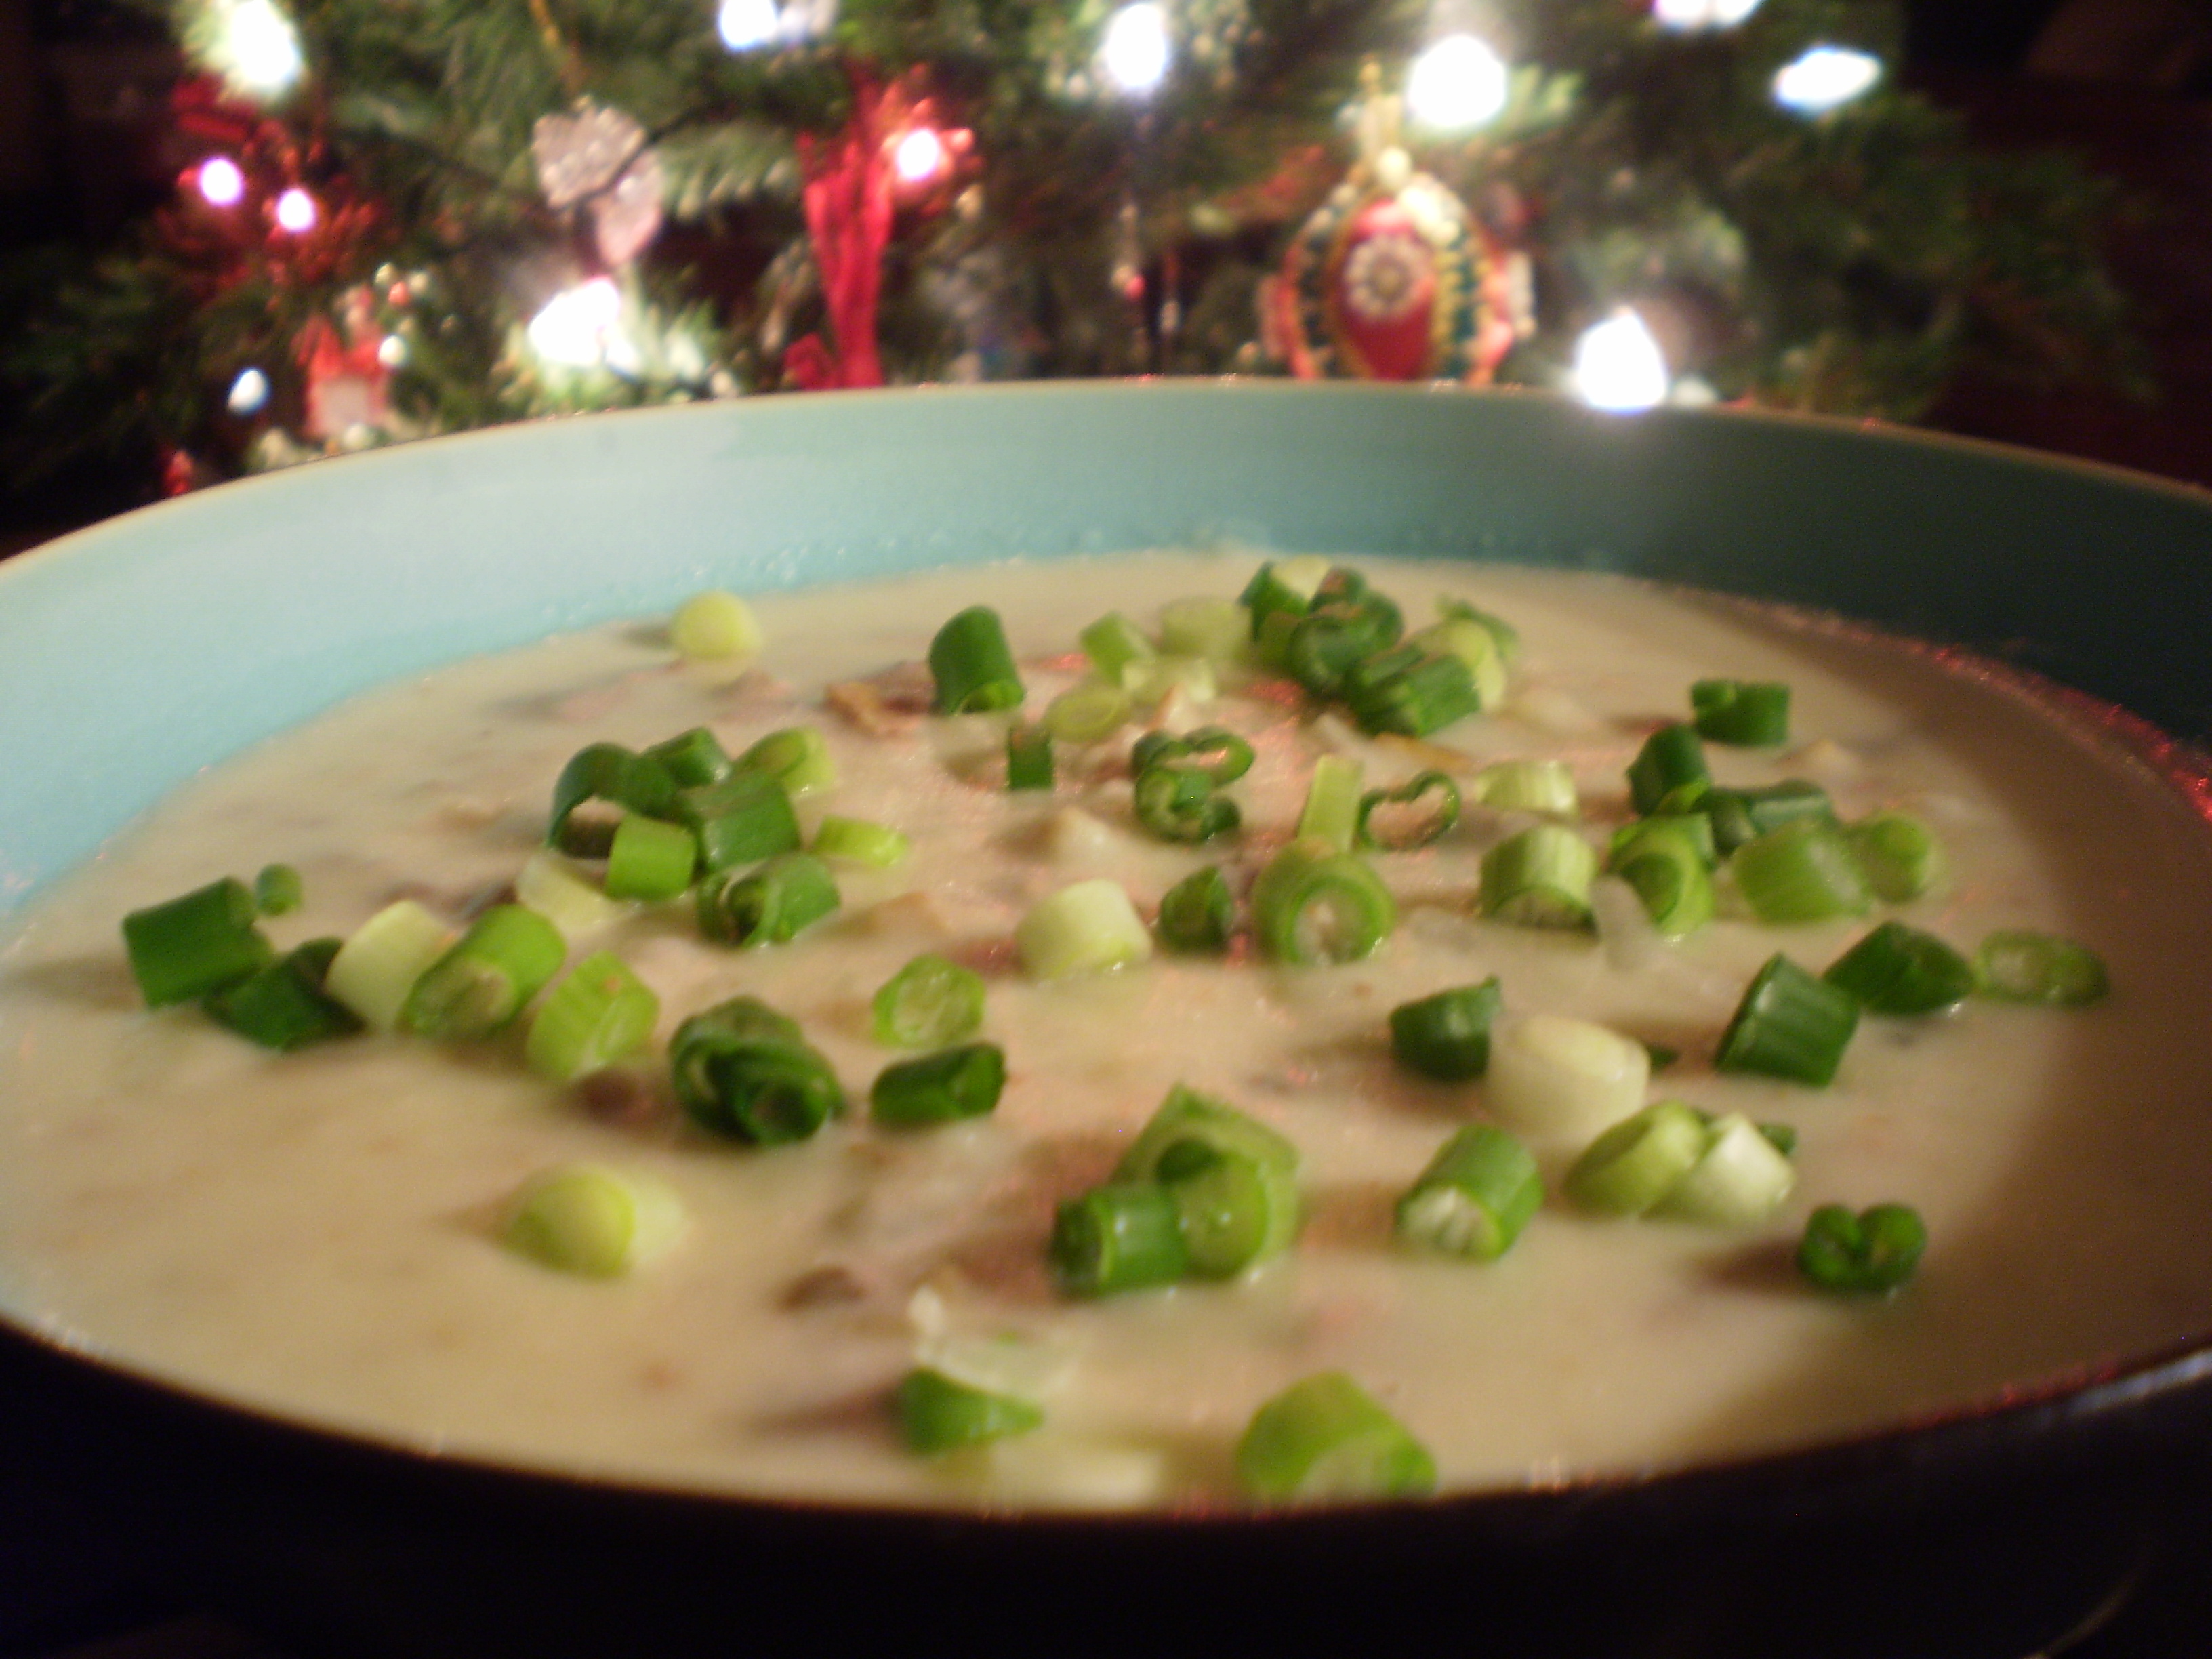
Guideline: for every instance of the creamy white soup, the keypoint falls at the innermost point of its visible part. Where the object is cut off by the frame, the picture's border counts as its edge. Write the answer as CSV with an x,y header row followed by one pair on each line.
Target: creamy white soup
x,y
320,1232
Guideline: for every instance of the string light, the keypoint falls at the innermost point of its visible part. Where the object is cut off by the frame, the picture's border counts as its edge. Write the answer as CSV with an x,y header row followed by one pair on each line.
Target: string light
x,y
1456,82
745,25
248,392
219,181
1823,77
391,351
581,327
920,156
1684,15
1136,51
253,46
1619,367
296,211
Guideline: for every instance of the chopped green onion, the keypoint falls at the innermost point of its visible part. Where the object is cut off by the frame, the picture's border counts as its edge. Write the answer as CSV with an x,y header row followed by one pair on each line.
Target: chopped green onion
x,y
1696,827
1314,907
973,666
1090,927
938,1414
1749,714
602,1012
1801,871
1029,758
1126,1235
1507,635
930,1003
1179,802
1325,1438
1284,588
1235,1209
1789,1025
1216,629
1896,970
1539,877
771,905
1738,816
1473,645
553,887
714,626
588,1219
857,841
1740,1179
608,773
692,757
378,965
1113,643
1447,1035
798,757
282,1006
650,860
1186,1114
1474,1198
744,1072
744,818
508,955
1528,786
1337,635
1198,914
195,944
1399,832
1331,812
1154,683
1668,774
1662,862
1900,855
1631,1167
1410,692
2017,966
940,1088
1216,750
1869,1254
1562,1079
1088,714
278,890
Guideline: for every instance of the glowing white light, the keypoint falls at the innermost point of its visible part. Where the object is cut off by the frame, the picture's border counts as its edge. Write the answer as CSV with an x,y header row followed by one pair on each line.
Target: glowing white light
x,y
919,155
581,327
1617,365
1702,14
391,351
745,25
248,392
221,181
1820,79
1135,52
254,46
296,211
1458,82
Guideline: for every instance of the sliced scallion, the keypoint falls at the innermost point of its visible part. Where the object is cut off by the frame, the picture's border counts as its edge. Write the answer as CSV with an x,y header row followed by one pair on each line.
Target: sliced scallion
x,y
973,666
1152,683
1562,1079
1740,1179
1662,862
1539,877
1314,906
1186,1114
1198,914
1336,635
650,860
745,1071
558,890
770,905
1029,758
615,776
1738,816
1447,1035
1631,1167
281,1006
944,1087
1799,872
1869,1254
1331,812
1088,714
692,757
1180,802
1235,1209
1475,1196
1896,970
1125,1235
1090,927
1507,635
1749,714
1669,773
744,818
798,757
1218,752
1528,786
1282,588
1412,694
857,841
278,890
931,1003
2015,966
601,1013
196,943
507,956
1899,854
1418,812
1326,1438
1113,643
714,626
1788,1025
1215,628
1473,645
378,965
588,1220
937,1413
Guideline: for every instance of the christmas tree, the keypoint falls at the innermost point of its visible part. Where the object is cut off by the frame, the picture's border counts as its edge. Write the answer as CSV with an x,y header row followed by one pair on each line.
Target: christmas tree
x,y
410,216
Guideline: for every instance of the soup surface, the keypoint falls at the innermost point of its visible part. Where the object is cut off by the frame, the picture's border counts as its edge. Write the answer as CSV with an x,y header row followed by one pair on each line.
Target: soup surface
x,y
319,1232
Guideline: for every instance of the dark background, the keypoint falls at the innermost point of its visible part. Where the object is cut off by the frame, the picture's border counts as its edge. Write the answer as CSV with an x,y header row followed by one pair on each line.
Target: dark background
x,y
2127,83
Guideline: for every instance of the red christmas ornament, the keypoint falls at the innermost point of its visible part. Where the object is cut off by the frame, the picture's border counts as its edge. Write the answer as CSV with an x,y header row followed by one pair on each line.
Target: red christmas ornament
x,y
348,381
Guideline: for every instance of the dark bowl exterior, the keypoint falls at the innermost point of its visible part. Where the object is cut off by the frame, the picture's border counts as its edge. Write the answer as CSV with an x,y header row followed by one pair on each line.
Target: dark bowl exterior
x,y
1995,1530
